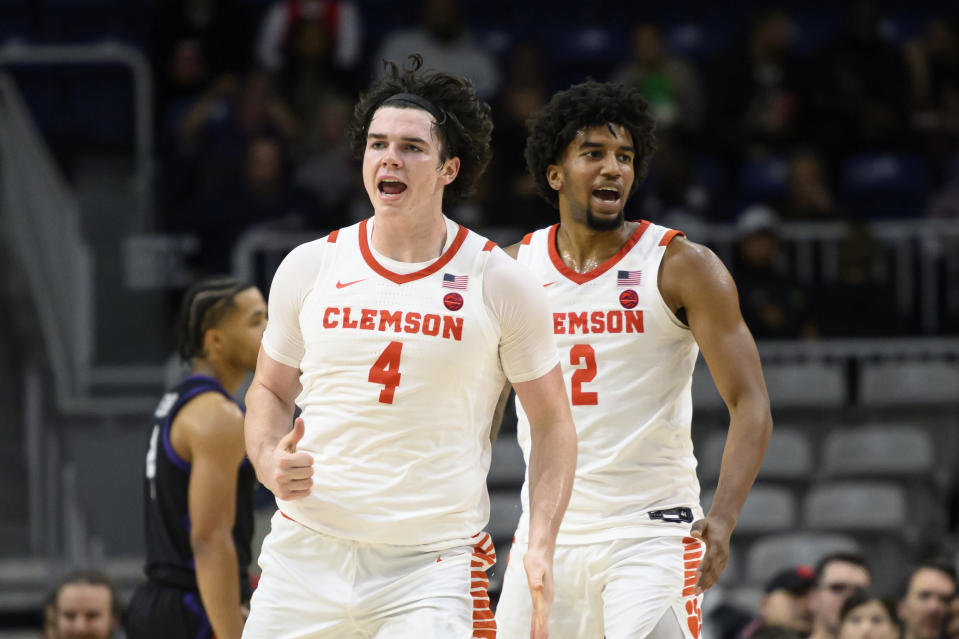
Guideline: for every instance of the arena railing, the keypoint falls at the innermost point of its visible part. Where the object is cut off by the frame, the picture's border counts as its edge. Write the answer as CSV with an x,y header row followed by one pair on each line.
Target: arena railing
x,y
923,263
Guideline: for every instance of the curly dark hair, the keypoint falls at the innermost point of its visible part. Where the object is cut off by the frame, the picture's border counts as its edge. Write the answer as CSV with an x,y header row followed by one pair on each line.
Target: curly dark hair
x,y
464,134
584,105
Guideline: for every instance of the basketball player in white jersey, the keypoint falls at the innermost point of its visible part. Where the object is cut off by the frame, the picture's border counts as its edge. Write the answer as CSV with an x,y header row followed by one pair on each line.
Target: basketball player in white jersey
x,y
395,336
632,305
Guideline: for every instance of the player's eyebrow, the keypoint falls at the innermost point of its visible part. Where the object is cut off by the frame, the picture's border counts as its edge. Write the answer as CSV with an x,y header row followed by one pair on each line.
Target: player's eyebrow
x,y
586,144
383,136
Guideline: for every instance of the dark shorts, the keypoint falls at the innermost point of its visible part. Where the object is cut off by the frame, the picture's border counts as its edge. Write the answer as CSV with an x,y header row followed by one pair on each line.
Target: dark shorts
x,y
163,612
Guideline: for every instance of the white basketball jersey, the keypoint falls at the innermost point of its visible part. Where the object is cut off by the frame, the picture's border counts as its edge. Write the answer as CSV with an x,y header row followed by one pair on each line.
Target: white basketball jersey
x,y
401,374
628,365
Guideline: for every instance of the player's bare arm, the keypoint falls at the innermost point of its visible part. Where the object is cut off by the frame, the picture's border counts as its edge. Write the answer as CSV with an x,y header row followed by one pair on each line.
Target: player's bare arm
x,y
694,279
552,467
270,443
498,412
209,434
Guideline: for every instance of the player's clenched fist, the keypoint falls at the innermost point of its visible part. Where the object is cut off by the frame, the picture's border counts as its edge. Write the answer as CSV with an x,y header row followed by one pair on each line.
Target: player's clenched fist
x,y
292,474
539,575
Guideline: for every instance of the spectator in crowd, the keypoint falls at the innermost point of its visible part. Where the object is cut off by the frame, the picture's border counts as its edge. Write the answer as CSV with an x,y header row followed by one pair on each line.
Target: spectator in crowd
x,y
924,606
340,32
773,305
758,91
866,616
777,632
785,603
952,623
312,49
49,630
215,132
515,201
324,162
193,41
808,196
446,44
86,606
670,85
861,88
945,203
934,64
672,193
265,198
837,576
857,303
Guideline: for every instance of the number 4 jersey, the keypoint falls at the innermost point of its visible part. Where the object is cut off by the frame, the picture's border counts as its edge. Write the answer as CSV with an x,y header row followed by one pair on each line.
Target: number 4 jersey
x,y
628,363
401,367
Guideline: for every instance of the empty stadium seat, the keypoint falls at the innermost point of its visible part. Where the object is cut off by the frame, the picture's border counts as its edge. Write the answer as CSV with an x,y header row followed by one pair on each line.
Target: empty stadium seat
x,y
805,384
705,395
886,383
767,509
884,185
763,180
507,467
877,450
788,457
856,506
768,555
505,509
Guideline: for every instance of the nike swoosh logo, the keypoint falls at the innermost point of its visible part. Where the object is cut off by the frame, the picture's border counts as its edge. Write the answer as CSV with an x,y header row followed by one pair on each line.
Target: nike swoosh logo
x,y
340,284
550,284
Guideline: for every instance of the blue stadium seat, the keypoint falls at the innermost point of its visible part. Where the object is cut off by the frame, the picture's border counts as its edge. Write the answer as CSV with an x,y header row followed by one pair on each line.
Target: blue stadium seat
x,y
814,28
884,185
763,180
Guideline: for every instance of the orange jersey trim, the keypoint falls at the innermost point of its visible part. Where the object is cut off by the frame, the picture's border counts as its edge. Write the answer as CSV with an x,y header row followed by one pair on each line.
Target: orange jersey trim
x,y
400,278
583,278
490,245
527,239
668,237
331,238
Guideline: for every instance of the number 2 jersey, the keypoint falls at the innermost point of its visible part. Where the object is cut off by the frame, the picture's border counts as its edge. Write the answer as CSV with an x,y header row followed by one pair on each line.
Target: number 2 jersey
x,y
401,368
169,554
627,363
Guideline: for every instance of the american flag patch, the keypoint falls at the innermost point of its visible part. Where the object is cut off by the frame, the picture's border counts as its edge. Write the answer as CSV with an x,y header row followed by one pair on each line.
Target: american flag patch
x,y
455,281
628,278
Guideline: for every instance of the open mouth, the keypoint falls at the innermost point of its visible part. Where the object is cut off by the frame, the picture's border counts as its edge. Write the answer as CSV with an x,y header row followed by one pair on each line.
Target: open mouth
x,y
391,187
606,194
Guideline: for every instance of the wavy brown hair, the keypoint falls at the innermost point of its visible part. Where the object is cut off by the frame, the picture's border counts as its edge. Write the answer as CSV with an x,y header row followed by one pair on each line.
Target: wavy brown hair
x,y
464,132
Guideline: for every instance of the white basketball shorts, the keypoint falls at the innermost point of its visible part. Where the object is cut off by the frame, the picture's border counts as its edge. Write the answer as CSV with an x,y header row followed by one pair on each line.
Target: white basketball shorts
x,y
318,587
623,589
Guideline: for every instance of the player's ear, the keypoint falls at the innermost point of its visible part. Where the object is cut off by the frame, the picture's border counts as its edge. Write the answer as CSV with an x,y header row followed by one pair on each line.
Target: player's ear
x,y
554,175
450,169
212,341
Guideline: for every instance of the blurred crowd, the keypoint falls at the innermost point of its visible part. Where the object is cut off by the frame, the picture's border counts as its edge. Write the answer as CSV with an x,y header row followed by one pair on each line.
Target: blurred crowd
x,y
835,600
775,125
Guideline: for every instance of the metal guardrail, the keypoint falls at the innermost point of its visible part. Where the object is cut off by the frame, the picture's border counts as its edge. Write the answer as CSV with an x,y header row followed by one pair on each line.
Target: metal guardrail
x,y
924,257
41,218
18,53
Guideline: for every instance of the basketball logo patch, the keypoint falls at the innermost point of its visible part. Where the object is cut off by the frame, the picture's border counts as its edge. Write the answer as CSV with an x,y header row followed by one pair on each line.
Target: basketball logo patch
x,y
629,298
453,301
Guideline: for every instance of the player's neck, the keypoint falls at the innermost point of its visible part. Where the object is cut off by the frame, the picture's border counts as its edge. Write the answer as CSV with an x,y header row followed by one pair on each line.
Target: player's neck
x,y
583,249
409,236
229,378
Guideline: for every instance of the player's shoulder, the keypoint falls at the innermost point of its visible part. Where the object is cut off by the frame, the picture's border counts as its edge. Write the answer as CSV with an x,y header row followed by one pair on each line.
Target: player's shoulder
x,y
683,255
527,240
209,413
690,270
